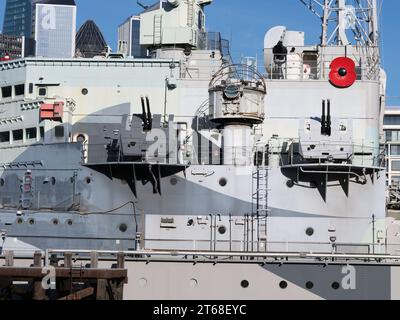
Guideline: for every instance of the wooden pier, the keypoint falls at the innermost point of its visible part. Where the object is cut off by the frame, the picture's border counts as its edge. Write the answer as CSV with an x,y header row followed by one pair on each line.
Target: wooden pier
x,y
62,279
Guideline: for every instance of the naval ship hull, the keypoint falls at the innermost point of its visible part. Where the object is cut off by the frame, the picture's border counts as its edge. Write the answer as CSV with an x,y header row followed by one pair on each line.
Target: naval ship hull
x,y
186,277
252,281
139,196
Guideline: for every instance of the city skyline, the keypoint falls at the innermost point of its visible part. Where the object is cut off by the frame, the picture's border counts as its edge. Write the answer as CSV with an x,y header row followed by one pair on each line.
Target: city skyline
x,y
246,31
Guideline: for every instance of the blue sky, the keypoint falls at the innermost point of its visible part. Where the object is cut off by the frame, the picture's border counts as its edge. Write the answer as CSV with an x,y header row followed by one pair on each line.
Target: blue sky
x,y
245,23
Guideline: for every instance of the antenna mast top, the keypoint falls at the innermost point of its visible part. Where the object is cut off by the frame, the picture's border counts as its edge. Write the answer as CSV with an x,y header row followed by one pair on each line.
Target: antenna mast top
x,y
346,22
145,7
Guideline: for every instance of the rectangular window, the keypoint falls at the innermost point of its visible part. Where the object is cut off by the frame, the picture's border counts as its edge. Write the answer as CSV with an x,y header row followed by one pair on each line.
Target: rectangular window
x,y
395,180
388,136
395,150
31,133
42,92
395,165
19,90
391,120
31,88
5,136
18,135
6,92
59,131
42,132
392,135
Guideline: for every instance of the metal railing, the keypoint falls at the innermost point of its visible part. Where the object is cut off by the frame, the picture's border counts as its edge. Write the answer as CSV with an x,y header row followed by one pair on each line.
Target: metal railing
x,y
301,67
365,153
382,253
226,257
250,246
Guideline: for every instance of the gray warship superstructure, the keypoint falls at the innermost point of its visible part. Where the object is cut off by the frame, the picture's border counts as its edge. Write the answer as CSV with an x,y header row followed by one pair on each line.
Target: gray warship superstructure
x,y
217,181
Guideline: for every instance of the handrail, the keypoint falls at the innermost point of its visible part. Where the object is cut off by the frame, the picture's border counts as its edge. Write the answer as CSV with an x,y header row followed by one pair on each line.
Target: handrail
x,y
221,254
366,70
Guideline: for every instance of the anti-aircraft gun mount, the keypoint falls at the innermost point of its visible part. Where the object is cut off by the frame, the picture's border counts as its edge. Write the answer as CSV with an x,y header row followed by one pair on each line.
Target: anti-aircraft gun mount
x,y
236,105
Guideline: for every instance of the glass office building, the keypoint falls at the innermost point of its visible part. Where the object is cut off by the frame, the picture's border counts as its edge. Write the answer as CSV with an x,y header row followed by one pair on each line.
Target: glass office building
x,y
55,28
18,18
90,41
391,127
12,46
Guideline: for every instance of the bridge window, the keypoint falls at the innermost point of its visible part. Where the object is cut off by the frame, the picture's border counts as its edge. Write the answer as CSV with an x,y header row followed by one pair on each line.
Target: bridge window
x,y
59,132
19,90
200,20
42,92
31,133
5,136
41,132
6,92
18,135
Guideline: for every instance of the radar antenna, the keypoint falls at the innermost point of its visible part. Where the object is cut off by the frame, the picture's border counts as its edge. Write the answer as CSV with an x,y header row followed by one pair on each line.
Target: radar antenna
x,y
347,22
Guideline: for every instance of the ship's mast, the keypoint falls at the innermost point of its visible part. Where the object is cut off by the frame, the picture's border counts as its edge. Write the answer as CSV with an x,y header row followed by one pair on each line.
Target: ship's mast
x,y
346,22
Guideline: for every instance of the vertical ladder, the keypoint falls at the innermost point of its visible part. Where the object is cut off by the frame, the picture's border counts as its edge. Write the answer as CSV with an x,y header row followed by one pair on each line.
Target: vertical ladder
x,y
260,195
190,13
157,39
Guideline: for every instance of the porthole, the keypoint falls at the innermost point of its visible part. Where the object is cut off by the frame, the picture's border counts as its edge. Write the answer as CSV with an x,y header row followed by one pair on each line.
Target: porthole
x,y
335,286
309,285
283,284
222,229
290,183
2,182
190,223
174,181
88,180
31,222
223,182
310,232
123,227
245,284
85,91
69,222
55,222
81,138
20,221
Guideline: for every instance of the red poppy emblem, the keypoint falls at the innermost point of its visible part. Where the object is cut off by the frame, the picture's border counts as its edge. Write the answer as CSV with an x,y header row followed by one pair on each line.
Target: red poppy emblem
x,y
343,72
